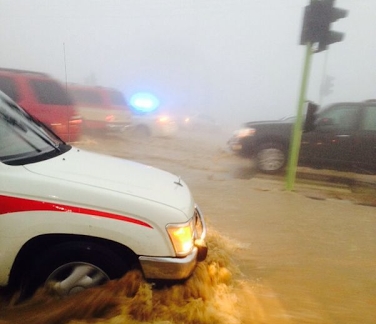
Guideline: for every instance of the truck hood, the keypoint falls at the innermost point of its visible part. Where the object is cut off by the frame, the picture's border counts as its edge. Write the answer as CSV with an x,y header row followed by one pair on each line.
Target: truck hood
x,y
107,173
268,122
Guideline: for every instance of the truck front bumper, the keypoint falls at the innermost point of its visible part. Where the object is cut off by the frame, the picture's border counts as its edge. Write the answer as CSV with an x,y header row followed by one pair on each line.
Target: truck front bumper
x,y
165,268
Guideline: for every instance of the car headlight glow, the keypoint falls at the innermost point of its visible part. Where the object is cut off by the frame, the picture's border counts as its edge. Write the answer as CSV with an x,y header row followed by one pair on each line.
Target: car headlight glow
x,y
182,237
163,119
244,132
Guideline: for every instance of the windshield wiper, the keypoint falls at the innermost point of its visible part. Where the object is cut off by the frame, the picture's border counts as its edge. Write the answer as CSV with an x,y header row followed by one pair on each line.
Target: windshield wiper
x,y
44,138
20,126
24,127
14,122
36,121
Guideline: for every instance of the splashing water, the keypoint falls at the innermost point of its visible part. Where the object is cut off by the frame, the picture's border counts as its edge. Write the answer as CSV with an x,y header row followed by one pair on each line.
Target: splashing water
x,y
215,293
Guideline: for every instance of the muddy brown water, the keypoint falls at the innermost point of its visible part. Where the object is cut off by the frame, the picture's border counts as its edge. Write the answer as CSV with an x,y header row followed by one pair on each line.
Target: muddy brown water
x,y
211,295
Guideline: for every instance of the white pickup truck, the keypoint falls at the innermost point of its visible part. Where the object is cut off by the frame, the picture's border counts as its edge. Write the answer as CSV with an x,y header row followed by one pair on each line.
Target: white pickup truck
x,y
75,219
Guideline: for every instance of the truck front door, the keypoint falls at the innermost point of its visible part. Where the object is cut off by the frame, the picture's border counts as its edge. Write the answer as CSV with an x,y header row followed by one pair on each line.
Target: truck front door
x,y
332,141
365,142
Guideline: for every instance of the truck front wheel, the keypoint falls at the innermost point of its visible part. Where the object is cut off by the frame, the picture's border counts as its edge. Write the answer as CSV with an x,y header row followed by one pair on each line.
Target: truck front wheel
x,y
271,158
72,267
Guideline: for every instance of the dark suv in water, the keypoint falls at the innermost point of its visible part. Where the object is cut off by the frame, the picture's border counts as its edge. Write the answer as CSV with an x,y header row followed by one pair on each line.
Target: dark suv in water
x,y
342,137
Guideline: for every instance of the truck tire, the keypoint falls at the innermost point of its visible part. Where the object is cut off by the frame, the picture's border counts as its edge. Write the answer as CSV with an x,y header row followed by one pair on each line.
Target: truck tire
x,y
72,267
271,158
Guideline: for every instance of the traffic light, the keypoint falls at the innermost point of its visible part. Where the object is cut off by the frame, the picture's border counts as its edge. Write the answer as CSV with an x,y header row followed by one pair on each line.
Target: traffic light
x,y
312,30
318,17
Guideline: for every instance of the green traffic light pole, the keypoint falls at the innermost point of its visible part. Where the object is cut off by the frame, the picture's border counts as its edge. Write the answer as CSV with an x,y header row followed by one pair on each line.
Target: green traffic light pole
x,y
297,129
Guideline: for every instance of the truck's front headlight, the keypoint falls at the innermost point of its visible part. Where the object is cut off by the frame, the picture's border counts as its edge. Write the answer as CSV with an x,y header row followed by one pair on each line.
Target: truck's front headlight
x,y
182,237
244,132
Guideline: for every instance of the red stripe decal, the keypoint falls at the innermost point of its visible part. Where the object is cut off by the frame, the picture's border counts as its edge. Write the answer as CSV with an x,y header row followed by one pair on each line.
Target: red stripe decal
x,y
14,204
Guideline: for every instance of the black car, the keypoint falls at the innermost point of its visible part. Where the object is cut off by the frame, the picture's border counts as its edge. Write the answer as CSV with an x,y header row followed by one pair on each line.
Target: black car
x,y
342,137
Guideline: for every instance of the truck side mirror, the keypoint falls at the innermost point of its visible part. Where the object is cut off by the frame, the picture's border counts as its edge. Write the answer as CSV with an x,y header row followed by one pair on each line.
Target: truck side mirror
x,y
309,124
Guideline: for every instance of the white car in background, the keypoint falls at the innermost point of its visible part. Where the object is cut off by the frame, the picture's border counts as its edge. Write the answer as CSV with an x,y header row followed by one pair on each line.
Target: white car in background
x,y
153,124
74,219
200,122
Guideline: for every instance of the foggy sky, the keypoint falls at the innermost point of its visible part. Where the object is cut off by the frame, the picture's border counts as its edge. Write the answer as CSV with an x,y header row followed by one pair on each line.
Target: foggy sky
x,y
238,60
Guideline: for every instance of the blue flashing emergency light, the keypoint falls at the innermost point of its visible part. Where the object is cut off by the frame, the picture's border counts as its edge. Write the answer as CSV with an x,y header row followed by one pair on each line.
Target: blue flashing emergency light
x,y
144,102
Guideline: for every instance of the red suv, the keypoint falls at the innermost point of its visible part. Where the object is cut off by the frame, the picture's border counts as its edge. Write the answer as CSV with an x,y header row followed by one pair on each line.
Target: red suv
x,y
45,98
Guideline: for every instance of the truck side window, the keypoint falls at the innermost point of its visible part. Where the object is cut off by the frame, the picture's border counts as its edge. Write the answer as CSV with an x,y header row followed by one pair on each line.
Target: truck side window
x,y
339,118
8,86
50,92
369,119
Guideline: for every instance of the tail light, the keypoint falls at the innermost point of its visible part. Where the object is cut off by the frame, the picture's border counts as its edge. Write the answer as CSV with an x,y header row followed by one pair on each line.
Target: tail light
x,y
75,120
110,118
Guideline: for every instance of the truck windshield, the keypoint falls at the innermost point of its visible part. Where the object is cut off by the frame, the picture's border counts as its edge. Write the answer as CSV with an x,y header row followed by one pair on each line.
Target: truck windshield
x,y
23,140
